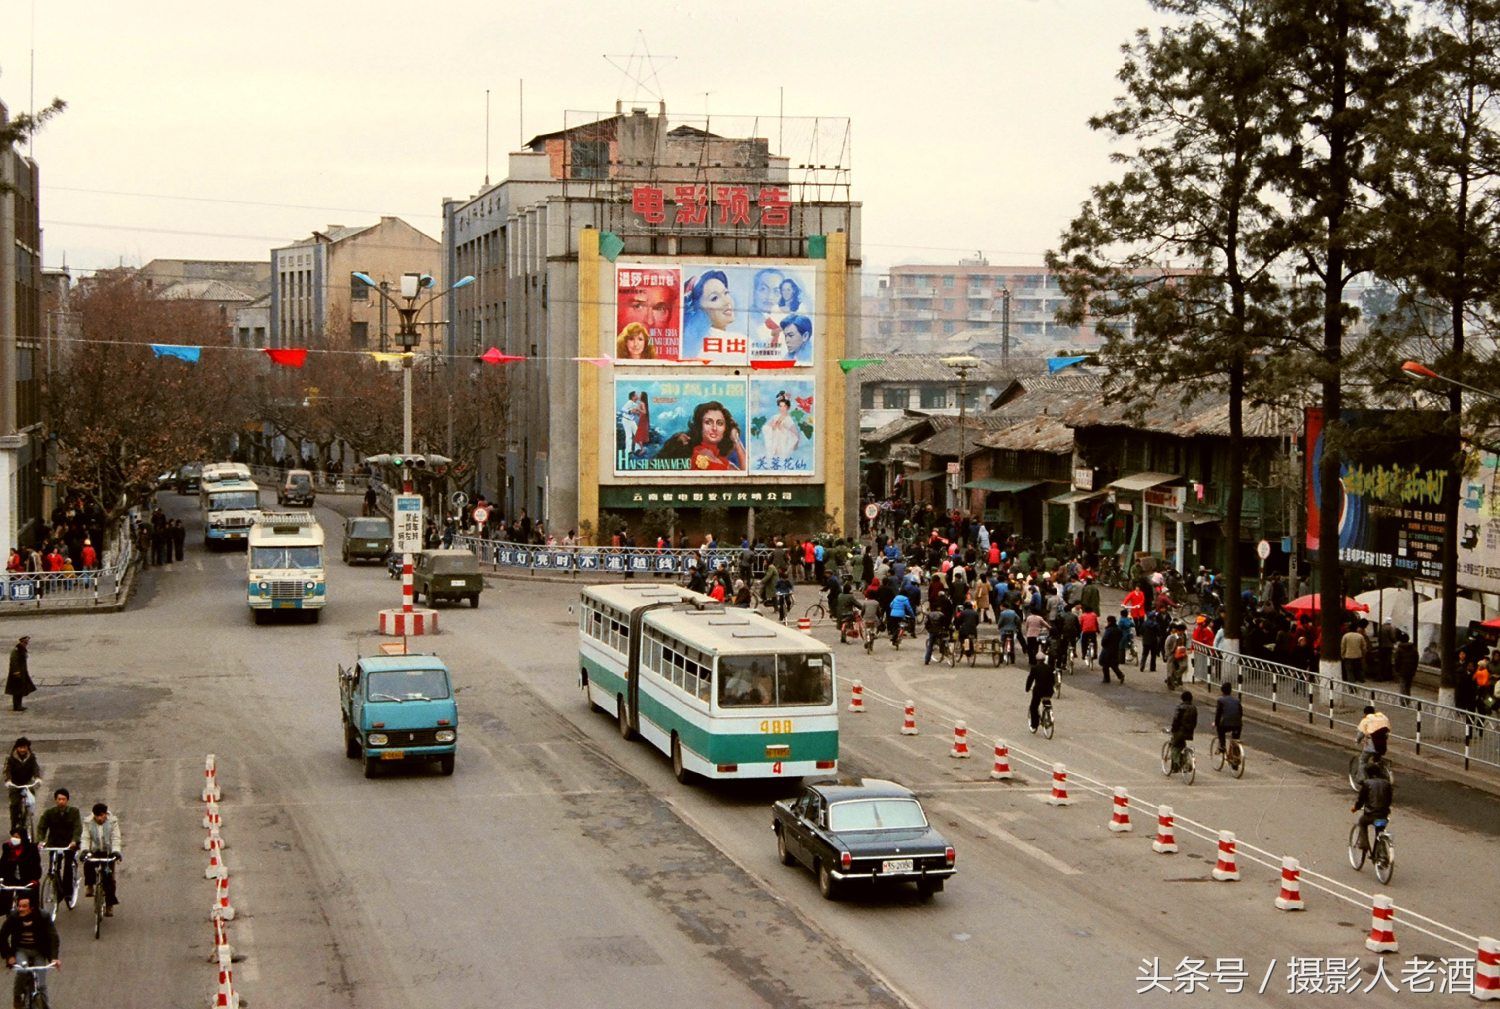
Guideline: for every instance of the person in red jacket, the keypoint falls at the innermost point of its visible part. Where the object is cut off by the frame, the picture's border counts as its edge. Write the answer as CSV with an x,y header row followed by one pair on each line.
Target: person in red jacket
x,y
1135,601
1203,635
90,555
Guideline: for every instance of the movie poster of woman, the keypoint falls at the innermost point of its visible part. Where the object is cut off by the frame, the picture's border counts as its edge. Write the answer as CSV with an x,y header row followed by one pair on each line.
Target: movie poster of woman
x,y
681,425
783,430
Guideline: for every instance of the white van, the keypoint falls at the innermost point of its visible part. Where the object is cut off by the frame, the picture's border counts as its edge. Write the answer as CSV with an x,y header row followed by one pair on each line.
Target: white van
x,y
220,472
285,564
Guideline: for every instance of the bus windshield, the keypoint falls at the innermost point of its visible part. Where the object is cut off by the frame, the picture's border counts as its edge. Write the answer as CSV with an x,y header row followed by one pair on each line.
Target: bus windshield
x,y
307,558
232,500
764,681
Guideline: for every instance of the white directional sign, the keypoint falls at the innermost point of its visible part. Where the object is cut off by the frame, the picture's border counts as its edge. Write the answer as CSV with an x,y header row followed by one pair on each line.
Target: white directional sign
x,y
407,535
481,515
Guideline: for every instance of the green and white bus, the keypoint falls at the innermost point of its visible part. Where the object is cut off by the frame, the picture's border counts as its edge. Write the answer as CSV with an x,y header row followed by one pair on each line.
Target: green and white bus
x,y
725,692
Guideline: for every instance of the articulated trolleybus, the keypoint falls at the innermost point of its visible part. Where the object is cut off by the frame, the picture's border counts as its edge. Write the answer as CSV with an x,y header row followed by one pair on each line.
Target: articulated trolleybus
x,y
725,692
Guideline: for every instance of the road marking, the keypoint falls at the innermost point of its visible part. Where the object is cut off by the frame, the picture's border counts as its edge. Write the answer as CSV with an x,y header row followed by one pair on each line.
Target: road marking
x,y
1005,836
197,563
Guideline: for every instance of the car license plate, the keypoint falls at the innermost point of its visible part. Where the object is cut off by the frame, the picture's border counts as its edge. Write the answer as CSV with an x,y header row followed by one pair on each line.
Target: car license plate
x,y
460,583
372,545
285,604
896,865
393,755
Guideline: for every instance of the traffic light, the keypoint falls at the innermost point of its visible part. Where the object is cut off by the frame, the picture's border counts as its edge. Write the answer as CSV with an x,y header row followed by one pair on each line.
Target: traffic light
x,y
416,460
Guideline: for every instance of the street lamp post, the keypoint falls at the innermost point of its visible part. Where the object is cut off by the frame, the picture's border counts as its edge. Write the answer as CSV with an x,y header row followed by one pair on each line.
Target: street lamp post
x,y
412,286
963,365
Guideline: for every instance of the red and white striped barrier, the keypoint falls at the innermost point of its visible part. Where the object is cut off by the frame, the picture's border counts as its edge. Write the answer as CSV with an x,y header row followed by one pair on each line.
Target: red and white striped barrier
x,y
1001,770
1487,970
1382,932
857,697
221,947
216,867
1290,896
960,741
210,780
804,624
214,840
1059,796
222,908
1119,820
1225,869
211,815
909,720
226,999
1165,842
408,623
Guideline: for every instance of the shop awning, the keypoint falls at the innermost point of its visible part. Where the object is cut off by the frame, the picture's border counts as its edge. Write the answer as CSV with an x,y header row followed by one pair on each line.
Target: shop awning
x,y
1143,481
1000,486
1073,497
923,474
1192,518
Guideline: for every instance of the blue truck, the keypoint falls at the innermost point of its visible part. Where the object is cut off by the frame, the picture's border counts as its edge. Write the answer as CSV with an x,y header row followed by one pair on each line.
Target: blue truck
x,y
399,709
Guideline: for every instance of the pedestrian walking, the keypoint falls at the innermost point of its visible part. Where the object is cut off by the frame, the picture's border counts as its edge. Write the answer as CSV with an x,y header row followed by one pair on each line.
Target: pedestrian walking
x,y
18,680
1110,649
1404,661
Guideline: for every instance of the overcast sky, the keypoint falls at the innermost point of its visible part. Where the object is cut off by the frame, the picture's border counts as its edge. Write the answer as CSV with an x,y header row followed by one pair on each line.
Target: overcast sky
x,y
204,132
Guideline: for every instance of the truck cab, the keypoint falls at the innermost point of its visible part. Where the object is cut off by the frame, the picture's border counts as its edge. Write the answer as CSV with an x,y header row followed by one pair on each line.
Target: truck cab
x,y
399,709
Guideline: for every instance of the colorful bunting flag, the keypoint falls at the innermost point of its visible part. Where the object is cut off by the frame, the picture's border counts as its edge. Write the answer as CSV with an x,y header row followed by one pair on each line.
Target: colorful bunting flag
x,y
759,365
188,354
848,364
493,356
1056,364
287,357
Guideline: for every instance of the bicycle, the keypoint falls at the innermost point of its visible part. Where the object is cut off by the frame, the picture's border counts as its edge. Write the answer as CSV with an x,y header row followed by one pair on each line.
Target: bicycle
x,y
1044,719
106,866
870,632
817,613
1382,851
53,890
1184,763
29,996
1357,770
783,604
1234,757
23,813
1008,647
852,626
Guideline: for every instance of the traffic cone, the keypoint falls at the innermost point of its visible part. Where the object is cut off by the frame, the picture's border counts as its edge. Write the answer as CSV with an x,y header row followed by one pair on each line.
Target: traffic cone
x,y
226,999
1002,761
960,741
1290,897
216,867
857,697
1487,970
1119,820
1165,842
1382,935
211,815
1059,796
909,720
214,840
221,948
1225,870
222,908
210,779
804,624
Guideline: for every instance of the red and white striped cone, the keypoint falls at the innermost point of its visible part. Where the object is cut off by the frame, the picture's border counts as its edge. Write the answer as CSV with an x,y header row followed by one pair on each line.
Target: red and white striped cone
x,y
1382,932
1225,869
1119,820
857,697
1059,796
960,741
1002,761
1290,896
216,867
214,839
221,948
406,589
226,999
909,720
222,908
210,779
804,624
211,818
1487,970
1165,842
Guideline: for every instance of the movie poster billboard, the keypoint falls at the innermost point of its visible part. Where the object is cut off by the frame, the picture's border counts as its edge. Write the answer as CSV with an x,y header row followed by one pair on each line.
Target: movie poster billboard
x,y
1391,476
714,314
680,424
783,426
648,313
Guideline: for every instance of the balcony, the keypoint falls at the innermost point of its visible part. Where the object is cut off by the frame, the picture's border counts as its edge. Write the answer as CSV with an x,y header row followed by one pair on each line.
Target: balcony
x,y
916,292
983,315
915,315
979,294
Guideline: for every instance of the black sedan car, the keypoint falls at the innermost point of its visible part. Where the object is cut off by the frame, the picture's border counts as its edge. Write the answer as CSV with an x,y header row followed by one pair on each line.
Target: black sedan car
x,y
866,830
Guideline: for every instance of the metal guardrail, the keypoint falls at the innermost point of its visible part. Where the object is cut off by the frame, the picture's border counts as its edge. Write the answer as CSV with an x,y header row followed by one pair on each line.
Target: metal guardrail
x,y
607,560
1465,735
29,590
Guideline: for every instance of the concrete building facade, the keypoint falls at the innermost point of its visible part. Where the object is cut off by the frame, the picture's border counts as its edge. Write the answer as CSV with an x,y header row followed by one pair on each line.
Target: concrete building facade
x,y
22,455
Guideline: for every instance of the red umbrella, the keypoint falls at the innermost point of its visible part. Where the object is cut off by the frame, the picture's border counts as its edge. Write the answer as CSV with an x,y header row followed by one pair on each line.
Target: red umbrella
x,y
1493,623
1314,604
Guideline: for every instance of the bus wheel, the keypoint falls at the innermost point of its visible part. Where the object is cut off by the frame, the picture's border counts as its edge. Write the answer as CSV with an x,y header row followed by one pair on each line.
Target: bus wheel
x,y
626,732
588,694
681,773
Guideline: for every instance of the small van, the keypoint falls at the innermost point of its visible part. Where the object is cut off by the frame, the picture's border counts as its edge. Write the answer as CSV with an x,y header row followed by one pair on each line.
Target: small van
x,y
398,709
447,574
297,489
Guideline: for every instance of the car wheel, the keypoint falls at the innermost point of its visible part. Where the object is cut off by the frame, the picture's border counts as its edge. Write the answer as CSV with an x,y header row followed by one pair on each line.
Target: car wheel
x,y
261,615
826,884
679,770
588,694
351,742
371,764
927,887
445,763
781,852
474,600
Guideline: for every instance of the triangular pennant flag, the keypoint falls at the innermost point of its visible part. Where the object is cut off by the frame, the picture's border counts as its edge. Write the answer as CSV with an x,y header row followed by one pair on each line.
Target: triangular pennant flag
x,y
1056,364
848,364
610,245
493,356
387,357
188,354
760,365
598,362
287,357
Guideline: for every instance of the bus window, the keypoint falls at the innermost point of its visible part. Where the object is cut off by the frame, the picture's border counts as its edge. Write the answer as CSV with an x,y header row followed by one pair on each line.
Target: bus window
x,y
805,679
747,681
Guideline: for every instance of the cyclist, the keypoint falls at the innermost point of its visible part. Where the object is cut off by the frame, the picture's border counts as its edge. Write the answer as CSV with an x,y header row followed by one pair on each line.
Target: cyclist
x,y
898,615
1375,794
783,596
29,939
1229,715
1036,632
939,629
1373,736
1184,725
967,624
1008,623
847,607
1039,683
20,865
101,838
21,768
61,827
1088,629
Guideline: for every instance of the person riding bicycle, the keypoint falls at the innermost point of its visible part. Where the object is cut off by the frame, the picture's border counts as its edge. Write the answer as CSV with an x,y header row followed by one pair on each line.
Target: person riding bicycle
x,y
846,607
967,625
1375,794
29,939
1229,715
101,839
21,768
20,865
1373,736
898,615
1008,623
61,827
783,596
1184,725
939,628
1059,650
1040,684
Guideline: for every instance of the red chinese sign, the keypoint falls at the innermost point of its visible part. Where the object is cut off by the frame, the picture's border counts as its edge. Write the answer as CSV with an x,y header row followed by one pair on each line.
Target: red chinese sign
x,y
735,205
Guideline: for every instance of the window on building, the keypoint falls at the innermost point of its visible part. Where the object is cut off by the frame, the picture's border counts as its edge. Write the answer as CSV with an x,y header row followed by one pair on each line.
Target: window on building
x,y
948,280
867,397
242,337
933,397
895,399
948,327
260,336
590,159
358,289
359,335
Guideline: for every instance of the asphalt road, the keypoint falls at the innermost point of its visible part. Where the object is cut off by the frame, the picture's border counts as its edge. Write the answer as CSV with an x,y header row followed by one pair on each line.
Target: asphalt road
x,y
561,866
